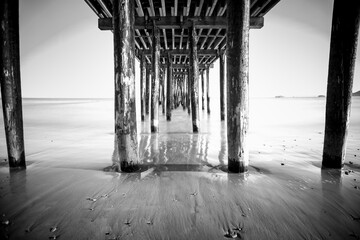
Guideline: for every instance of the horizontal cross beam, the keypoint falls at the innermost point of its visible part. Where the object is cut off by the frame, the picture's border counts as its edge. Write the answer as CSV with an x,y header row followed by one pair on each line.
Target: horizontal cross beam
x,y
186,66
175,22
181,52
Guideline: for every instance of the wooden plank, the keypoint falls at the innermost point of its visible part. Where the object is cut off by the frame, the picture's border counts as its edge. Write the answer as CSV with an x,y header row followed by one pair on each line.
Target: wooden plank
x,y
194,80
268,7
181,38
125,106
10,83
344,38
148,37
165,39
137,31
155,81
188,8
141,12
238,14
173,38
152,14
212,7
173,22
105,8
260,8
91,5
175,7
214,38
163,7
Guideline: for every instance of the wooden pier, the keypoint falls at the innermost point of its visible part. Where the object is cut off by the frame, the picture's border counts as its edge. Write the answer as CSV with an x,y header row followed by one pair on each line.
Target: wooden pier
x,y
177,42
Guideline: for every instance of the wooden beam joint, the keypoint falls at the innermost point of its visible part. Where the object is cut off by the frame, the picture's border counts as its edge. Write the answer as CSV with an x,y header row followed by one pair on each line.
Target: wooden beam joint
x,y
176,22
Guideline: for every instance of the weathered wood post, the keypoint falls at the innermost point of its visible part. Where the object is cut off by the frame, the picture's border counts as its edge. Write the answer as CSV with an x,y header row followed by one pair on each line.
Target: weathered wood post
x,y
222,85
207,90
344,38
148,89
185,92
142,86
183,86
175,92
155,79
237,43
202,91
188,99
11,84
125,107
194,79
163,91
169,88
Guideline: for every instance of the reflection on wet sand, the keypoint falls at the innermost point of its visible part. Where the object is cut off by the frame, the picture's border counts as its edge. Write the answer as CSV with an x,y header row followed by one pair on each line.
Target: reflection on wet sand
x,y
183,191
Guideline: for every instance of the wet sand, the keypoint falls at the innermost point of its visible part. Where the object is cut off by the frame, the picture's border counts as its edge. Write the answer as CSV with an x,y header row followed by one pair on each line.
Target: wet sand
x,y
183,192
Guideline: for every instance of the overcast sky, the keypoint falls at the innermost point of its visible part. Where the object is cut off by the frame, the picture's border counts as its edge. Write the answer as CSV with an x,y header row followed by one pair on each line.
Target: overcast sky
x,y
64,54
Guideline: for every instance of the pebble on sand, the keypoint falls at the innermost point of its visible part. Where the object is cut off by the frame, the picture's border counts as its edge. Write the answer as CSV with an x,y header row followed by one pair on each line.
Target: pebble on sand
x,y
91,199
5,222
230,234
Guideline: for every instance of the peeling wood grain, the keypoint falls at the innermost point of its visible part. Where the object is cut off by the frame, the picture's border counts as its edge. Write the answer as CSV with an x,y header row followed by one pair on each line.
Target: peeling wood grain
x,y
10,83
344,38
125,107
194,79
169,88
202,91
142,86
222,85
148,89
207,90
155,74
238,14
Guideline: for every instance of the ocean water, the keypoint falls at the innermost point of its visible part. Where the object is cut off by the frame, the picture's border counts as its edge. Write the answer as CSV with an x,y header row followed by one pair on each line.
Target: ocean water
x,y
78,133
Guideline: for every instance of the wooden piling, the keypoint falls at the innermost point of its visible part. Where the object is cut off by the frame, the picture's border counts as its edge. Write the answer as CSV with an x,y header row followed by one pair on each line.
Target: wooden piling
x,y
207,90
194,79
163,91
176,93
344,38
202,91
148,89
155,79
169,88
183,98
125,107
222,85
10,83
188,97
142,86
237,43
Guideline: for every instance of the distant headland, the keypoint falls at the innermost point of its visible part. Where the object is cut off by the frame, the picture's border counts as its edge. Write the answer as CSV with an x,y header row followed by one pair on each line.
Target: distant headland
x,y
354,94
